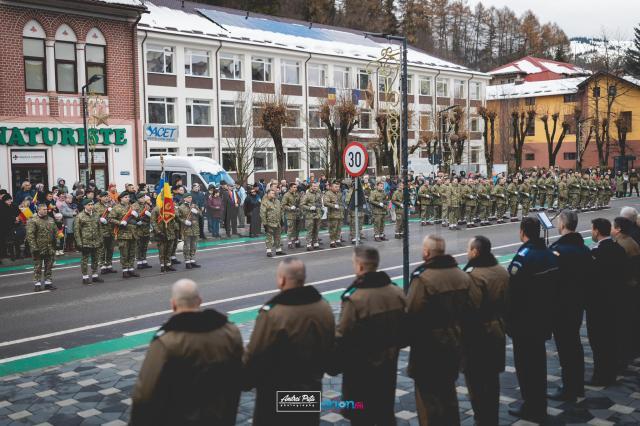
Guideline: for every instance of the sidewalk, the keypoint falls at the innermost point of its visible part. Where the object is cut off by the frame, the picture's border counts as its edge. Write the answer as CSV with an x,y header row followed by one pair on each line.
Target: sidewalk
x,y
97,391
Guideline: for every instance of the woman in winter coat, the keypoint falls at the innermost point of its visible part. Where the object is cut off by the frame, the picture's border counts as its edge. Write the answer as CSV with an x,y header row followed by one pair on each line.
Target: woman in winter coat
x,y
252,211
69,213
214,211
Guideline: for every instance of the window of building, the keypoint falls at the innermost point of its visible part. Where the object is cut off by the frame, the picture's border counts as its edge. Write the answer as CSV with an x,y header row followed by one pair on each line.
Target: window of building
x,y
363,79
570,97
293,158
570,156
476,91
160,59
425,86
365,119
442,88
66,67
385,83
531,130
628,119
425,120
341,77
290,72
196,63
475,124
317,75
293,117
530,101
529,156
261,69
316,160
231,113
157,152
35,74
263,159
198,112
162,110
230,66
458,89
315,121
475,154
229,157
95,65
201,152
409,84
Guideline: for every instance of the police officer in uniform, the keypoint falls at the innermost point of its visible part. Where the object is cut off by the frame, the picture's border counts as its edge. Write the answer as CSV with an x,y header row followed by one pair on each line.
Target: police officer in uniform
x,y
290,346
41,236
377,201
335,213
105,252
368,339
123,218
485,344
531,285
88,239
312,206
143,229
188,216
291,207
438,304
271,217
164,233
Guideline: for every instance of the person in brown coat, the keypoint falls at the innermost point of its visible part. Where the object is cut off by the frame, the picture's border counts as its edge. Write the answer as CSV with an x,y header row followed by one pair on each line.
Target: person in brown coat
x,y
485,341
368,339
438,305
192,372
290,346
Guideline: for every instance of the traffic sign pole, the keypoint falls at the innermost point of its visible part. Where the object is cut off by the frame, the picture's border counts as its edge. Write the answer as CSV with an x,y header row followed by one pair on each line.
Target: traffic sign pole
x,y
357,220
355,159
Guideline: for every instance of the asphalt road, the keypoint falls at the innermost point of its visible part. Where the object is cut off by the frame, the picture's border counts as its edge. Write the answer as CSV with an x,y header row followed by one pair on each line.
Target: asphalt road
x,y
233,276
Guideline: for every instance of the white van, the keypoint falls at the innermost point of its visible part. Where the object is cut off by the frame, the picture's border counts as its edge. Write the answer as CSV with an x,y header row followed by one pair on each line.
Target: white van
x,y
201,170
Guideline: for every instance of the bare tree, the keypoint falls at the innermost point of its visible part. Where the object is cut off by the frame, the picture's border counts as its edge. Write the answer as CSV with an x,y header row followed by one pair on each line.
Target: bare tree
x,y
457,135
274,116
521,122
488,135
623,128
553,146
340,119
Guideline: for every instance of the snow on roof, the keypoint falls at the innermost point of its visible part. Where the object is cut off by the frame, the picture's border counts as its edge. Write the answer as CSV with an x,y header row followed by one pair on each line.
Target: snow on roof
x,y
560,68
528,66
506,70
135,3
531,65
632,80
260,30
534,88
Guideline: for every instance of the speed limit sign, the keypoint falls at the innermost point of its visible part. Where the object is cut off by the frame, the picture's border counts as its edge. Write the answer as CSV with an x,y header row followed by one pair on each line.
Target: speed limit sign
x,y
355,159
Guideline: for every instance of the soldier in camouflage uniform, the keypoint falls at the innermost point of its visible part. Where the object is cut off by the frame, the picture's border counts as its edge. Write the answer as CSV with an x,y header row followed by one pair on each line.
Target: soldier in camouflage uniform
x,y
445,194
484,201
86,230
41,236
471,203
542,191
573,184
593,192
105,251
534,191
563,193
426,204
585,192
525,196
123,218
312,206
188,217
335,213
271,217
436,201
143,229
377,201
512,196
499,195
397,199
163,233
291,207
454,197
552,191
350,202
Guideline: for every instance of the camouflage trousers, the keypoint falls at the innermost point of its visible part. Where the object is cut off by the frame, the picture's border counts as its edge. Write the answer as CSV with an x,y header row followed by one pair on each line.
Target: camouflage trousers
x,y
378,224
189,247
399,221
142,247
484,210
437,211
352,223
501,210
105,252
174,247
127,253
563,203
164,251
542,198
313,226
293,228
454,215
89,252
444,213
526,205
38,261
334,229
513,208
470,212
426,212
534,198
551,200
584,199
272,237
574,200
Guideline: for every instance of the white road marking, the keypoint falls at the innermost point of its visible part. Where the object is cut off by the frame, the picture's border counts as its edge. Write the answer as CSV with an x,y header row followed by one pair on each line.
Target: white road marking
x,y
32,354
133,333
32,293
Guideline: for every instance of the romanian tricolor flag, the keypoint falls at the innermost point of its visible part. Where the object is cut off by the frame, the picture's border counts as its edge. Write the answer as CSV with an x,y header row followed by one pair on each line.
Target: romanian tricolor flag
x,y
164,201
34,202
25,214
331,96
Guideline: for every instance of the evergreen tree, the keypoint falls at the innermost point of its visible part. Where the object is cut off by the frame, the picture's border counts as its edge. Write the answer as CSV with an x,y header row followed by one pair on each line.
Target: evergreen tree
x,y
633,55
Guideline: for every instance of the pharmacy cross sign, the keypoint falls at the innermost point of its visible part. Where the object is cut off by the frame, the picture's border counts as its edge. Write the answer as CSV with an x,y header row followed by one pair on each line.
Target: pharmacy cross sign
x,y
355,159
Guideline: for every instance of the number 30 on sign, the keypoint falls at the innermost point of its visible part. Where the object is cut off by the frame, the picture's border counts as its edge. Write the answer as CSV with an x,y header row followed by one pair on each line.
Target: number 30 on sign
x,y
355,159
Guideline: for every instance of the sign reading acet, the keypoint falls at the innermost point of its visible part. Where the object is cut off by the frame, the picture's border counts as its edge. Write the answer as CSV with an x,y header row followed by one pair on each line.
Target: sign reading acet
x,y
32,136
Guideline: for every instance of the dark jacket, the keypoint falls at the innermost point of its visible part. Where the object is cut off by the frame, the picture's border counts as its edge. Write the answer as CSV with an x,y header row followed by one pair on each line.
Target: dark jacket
x,y
438,305
214,207
191,374
485,331
251,204
575,269
533,274
199,198
608,276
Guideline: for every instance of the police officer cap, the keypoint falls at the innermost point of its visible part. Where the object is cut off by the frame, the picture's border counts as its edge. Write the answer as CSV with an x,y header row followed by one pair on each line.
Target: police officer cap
x,y
87,201
124,194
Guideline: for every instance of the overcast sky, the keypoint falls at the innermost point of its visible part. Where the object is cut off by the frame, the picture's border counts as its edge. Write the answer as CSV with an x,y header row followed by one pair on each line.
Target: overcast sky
x,y
580,17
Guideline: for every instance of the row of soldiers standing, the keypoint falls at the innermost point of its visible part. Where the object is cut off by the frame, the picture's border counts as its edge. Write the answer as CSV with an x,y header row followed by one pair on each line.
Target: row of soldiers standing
x,y
130,224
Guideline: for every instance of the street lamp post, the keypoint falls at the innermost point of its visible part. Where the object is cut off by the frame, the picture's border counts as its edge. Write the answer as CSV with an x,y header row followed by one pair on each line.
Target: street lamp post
x,y
92,80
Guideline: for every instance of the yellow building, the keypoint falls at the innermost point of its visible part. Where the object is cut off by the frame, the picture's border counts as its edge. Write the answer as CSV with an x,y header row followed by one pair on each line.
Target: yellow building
x,y
583,105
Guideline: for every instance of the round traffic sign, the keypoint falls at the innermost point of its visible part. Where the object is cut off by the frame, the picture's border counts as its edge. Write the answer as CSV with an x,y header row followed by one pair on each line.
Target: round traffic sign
x,y
355,159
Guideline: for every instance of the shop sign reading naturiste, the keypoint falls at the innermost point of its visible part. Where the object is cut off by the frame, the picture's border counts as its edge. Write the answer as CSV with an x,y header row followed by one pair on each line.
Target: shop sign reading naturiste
x,y
33,136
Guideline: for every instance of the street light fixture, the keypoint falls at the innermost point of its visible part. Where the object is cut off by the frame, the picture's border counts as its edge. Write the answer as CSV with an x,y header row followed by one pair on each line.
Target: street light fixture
x,y
93,79
441,133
